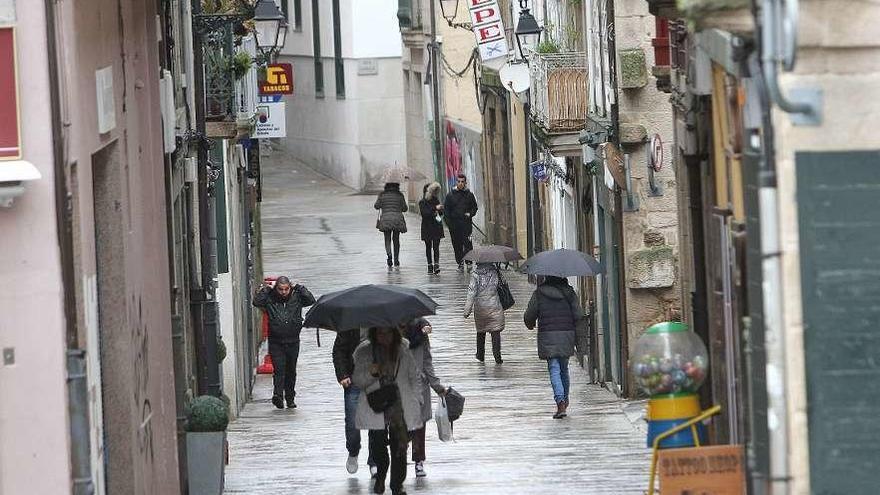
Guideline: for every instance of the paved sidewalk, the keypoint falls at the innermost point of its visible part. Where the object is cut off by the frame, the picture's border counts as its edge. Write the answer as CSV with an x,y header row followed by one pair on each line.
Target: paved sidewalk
x,y
322,235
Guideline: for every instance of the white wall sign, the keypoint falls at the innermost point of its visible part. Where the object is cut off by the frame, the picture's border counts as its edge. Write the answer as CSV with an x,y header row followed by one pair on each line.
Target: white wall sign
x,y
271,120
368,67
488,28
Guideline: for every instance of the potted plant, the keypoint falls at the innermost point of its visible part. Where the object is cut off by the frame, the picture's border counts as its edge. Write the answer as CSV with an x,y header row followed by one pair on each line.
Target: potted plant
x,y
207,418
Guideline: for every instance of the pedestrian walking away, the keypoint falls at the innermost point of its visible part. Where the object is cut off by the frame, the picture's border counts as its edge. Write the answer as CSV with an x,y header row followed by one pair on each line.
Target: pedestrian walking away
x,y
391,205
554,307
432,225
343,361
417,332
482,300
283,305
390,407
459,207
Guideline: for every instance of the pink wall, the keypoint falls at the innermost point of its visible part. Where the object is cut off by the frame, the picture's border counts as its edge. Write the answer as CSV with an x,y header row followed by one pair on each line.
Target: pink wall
x,y
33,409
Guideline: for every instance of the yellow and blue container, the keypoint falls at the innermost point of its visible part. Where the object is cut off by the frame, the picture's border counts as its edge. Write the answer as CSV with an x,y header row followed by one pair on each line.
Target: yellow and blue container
x,y
668,411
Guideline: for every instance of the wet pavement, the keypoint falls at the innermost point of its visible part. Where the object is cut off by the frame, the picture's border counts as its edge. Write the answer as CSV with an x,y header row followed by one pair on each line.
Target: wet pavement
x,y
322,234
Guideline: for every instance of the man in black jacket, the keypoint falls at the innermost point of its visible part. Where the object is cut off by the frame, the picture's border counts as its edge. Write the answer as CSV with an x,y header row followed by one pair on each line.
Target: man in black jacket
x,y
343,361
459,209
283,304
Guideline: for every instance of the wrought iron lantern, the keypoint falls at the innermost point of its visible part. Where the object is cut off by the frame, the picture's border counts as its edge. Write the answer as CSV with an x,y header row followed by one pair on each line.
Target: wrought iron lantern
x,y
449,8
528,32
270,26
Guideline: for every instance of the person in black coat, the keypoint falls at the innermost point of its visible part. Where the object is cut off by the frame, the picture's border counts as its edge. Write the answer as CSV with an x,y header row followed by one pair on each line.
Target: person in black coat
x,y
343,361
555,308
459,208
432,224
283,305
391,205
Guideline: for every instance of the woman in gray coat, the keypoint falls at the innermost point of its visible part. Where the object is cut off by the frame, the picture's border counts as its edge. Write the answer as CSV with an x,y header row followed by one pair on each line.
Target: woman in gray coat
x,y
420,345
555,308
482,300
384,360
391,205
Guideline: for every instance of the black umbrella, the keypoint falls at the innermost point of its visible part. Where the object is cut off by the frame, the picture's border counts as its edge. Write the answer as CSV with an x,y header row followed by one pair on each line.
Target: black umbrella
x,y
369,306
492,254
562,263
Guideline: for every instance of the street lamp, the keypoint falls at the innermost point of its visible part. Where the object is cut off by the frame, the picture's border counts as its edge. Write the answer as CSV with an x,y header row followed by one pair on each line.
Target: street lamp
x,y
449,8
270,27
528,32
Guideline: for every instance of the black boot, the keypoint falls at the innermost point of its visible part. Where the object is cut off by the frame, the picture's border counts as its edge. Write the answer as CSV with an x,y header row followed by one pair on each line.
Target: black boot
x,y
430,269
436,268
390,262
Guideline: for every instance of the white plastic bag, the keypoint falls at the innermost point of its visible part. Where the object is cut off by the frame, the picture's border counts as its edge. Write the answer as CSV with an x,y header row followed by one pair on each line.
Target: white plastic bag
x,y
441,417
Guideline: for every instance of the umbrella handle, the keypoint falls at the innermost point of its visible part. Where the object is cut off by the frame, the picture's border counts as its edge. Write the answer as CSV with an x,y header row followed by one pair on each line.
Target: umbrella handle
x,y
318,336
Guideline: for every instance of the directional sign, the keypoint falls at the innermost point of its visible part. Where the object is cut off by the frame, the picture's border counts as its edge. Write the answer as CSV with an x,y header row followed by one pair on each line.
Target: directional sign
x,y
488,28
279,80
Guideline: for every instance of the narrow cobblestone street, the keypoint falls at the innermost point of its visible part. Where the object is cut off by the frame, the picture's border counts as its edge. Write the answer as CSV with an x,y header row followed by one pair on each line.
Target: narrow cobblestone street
x,y
322,235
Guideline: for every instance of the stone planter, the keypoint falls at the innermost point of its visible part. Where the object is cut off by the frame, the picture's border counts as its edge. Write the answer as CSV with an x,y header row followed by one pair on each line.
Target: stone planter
x,y
205,461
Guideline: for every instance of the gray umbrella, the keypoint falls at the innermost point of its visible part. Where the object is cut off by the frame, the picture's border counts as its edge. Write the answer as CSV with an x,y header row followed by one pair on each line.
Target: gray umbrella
x,y
562,263
492,253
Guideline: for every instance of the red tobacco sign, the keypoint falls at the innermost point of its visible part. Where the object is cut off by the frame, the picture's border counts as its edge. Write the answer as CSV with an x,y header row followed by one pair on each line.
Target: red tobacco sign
x,y
10,137
279,80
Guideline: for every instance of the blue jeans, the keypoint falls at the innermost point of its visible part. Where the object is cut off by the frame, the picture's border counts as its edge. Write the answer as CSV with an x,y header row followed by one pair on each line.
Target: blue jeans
x,y
352,434
558,368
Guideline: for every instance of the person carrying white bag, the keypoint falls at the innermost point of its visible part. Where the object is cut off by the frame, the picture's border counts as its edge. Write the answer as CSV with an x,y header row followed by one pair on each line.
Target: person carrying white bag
x,y
420,347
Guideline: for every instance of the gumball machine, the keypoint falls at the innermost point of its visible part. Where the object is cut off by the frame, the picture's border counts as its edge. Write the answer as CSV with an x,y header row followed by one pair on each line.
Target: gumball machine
x,y
669,364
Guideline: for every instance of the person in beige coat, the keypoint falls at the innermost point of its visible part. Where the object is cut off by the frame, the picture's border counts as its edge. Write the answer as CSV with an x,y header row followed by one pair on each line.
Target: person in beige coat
x,y
385,360
482,301
420,346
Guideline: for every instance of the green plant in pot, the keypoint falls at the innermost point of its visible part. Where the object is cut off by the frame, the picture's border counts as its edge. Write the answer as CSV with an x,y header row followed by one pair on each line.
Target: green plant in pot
x,y
207,418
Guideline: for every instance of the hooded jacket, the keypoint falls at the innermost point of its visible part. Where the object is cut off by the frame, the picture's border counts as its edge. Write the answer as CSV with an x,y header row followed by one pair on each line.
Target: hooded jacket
x,y
432,230
285,315
555,308
392,206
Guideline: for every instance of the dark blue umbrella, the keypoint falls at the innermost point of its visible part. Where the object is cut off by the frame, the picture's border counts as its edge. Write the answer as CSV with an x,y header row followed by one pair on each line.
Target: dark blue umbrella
x,y
562,263
369,306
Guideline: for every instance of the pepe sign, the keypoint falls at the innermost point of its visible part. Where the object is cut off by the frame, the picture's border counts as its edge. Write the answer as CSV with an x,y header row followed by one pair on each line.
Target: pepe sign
x,y
279,80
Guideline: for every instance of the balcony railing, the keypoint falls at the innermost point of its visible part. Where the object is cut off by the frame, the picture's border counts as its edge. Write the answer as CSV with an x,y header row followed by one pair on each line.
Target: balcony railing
x,y
558,91
219,75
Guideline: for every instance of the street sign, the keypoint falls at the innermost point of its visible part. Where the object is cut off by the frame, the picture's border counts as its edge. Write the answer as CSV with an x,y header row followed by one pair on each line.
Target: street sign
x,y
10,136
279,80
715,470
271,120
488,28
656,153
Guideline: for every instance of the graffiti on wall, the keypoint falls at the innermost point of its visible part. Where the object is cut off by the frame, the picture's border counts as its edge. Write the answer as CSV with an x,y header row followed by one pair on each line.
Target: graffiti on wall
x,y
140,358
460,157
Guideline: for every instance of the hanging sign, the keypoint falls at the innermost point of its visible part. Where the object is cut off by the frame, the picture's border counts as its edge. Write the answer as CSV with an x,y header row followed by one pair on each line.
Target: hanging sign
x,y
614,163
716,470
279,80
10,136
271,121
488,28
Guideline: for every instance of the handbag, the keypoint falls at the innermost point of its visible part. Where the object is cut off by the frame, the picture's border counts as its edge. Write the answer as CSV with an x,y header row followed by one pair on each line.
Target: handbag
x,y
504,294
386,395
378,217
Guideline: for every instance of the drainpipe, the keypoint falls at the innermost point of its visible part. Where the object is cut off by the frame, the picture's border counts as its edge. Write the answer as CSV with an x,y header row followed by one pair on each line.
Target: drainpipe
x,y
774,333
204,298
439,168
77,385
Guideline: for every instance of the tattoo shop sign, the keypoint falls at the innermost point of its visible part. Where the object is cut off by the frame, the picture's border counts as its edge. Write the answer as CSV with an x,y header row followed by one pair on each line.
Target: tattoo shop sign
x,y
488,28
715,470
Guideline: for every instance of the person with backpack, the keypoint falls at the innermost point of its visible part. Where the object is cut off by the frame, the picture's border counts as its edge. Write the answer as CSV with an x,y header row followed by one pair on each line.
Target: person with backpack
x,y
555,308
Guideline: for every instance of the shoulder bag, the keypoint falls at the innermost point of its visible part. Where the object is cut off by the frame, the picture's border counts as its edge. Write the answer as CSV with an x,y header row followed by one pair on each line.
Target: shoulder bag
x,y
504,294
382,399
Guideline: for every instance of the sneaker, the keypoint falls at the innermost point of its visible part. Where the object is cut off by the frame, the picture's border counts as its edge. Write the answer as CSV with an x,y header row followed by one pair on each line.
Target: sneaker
x,y
479,358
351,465
373,471
420,470
436,269
278,401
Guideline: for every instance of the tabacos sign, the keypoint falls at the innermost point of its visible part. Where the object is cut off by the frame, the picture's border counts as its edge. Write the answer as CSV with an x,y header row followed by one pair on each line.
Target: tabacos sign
x,y
10,137
279,80
488,28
